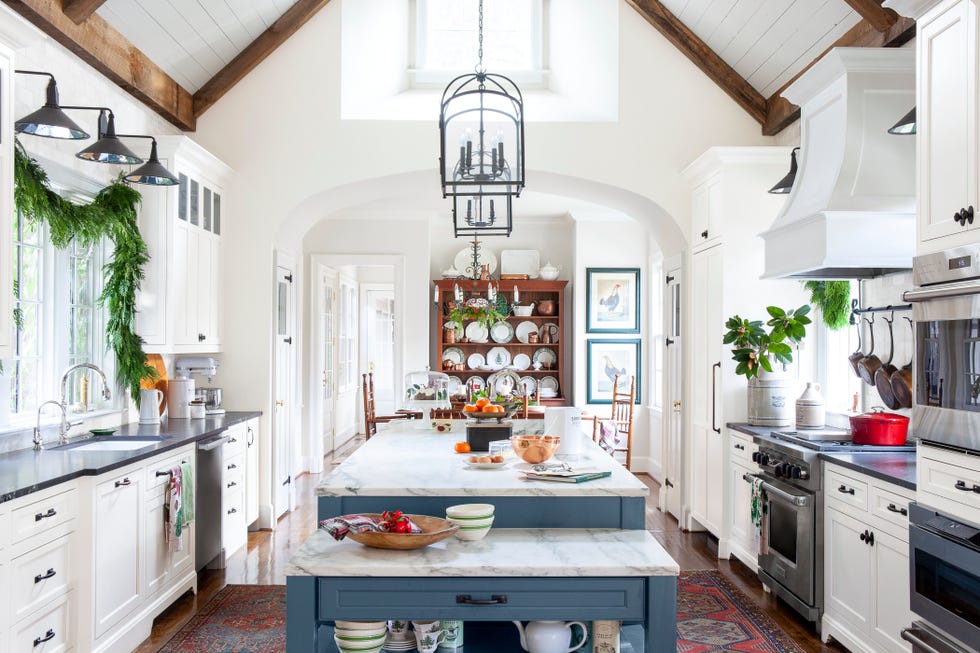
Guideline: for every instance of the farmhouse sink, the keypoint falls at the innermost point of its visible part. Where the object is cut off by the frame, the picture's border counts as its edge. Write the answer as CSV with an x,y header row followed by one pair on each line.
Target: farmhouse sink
x,y
113,444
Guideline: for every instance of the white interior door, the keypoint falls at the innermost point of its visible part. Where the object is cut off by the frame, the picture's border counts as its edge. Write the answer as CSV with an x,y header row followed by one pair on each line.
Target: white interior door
x,y
348,419
670,494
327,354
283,408
378,343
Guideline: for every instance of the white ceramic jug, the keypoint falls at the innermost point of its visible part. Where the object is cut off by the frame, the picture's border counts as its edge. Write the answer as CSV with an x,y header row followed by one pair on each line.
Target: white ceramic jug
x,y
811,412
550,636
151,400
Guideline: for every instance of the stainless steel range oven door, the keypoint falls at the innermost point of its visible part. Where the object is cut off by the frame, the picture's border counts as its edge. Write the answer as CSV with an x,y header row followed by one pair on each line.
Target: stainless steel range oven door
x,y
944,562
791,531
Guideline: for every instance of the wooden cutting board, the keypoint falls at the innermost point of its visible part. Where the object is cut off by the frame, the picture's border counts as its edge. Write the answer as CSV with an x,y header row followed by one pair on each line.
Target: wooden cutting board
x,y
156,362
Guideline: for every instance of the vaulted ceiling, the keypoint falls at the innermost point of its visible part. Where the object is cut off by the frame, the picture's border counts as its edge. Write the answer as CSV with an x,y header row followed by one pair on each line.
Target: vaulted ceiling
x,y
180,56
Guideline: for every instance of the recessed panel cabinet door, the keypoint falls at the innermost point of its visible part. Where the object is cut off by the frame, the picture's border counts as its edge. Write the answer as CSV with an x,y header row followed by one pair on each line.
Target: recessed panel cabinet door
x,y
185,277
848,565
892,612
118,527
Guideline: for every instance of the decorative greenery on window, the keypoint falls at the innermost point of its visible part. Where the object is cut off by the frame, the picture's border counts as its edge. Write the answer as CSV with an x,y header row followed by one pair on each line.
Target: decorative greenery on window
x,y
112,215
833,298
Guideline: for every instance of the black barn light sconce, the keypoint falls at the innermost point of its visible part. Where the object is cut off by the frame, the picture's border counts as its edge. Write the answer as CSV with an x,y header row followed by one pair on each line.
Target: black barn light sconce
x,y
785,184
904,126
50,121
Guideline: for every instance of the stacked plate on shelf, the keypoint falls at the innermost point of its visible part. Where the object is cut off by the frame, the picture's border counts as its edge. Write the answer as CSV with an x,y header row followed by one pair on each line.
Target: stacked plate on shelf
x,y
548,387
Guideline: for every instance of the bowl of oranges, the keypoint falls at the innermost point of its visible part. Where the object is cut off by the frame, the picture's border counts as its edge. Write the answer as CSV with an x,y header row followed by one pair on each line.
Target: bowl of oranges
x,y
484,409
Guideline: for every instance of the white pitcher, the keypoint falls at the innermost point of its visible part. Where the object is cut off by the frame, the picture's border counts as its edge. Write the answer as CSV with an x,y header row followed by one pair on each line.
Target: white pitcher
x,y
550,636
151,400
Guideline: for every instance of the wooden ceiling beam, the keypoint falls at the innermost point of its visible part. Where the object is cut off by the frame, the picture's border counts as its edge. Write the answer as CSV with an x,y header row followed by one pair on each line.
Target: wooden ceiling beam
x,y
98,44
780,113
80,10
871,10
691,45
256,51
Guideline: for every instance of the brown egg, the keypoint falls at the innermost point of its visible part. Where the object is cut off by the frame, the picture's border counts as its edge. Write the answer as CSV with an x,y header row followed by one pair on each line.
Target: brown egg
x,y
485,459
497,459
474,459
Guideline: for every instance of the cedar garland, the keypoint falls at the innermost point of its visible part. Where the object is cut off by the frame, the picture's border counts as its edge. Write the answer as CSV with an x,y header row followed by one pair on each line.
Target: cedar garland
x,y
112,215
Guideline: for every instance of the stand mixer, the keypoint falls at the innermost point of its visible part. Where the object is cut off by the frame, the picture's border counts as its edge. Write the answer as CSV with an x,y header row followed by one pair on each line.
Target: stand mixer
x,y
203,366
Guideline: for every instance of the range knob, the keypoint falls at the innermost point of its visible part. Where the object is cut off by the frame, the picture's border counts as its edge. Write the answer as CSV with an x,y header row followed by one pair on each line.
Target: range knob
x,y
763,459
795,471
779,470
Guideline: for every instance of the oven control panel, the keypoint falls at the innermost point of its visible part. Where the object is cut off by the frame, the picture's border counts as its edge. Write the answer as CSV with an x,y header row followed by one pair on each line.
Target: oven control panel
x,y
780,465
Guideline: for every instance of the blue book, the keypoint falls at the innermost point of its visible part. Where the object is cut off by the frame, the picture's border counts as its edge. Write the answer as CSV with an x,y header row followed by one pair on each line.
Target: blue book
x,y
575,478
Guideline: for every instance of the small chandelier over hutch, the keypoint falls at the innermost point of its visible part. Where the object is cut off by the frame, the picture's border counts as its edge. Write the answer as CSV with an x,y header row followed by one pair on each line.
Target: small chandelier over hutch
x,y
481,149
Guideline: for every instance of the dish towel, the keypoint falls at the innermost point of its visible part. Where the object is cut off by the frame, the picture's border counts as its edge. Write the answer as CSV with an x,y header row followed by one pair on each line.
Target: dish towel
x,y
172,517
608,435
187,492
760,516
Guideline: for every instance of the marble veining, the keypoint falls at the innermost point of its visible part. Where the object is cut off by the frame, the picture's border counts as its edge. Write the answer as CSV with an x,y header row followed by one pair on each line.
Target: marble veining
x,y
406,461
503,552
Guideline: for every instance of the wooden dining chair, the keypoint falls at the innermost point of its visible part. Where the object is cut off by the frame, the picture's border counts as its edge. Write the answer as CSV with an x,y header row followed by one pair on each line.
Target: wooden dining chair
x,y
371,420
620,415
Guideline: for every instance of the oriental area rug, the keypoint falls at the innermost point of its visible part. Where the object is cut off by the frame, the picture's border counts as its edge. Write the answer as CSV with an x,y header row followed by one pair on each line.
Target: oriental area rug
x,y
712,617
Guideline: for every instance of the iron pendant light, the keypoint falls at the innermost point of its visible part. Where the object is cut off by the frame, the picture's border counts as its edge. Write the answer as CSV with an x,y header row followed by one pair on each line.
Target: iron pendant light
x,y
108,149
481,146
152,172
50,121
785,184
904,126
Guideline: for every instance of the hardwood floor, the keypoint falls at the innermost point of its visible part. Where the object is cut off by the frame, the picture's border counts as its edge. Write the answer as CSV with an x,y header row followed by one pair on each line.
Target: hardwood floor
x,y
267,551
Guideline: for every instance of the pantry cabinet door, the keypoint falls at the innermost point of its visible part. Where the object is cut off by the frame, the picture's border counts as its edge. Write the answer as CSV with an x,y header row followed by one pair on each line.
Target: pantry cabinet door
x,y
118,527
892,612
848,565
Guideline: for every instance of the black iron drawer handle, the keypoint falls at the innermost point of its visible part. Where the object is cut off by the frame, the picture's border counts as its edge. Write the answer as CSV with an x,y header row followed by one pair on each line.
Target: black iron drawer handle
x,y
232,484
233,511
893,508
843,489
232,466
48,574
232,440
961,485
124,482
44,515
167,473
48,636
740,446
495,599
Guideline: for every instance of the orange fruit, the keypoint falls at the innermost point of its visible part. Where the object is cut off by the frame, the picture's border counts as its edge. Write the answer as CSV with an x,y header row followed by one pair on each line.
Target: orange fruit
x,y
470,408
462,447
482,402
500,409
489,408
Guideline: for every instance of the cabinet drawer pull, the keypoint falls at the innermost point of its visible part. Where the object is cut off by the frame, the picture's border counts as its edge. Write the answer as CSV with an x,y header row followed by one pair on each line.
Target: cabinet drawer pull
x,y
200,337
124,482
740,446
46,575
961,485
704,234
232,466
48,636
232,440
495,599
902,511
843,489
233,511
44,515
232,484
166,473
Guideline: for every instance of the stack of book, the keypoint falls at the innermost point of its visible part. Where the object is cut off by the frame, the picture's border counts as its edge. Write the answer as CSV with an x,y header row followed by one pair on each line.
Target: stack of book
x,y
563,473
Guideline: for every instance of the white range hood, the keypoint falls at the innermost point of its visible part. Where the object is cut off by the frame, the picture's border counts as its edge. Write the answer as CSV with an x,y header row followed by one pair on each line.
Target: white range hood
x,y
851,213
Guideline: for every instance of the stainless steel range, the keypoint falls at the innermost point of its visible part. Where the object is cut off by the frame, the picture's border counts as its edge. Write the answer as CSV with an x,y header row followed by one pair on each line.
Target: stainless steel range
x,y
792,568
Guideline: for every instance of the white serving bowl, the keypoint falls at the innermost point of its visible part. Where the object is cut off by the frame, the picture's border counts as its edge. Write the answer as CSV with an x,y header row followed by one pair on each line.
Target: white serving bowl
x,y
356,633
358,648
472,533
361,625
475,522
469,510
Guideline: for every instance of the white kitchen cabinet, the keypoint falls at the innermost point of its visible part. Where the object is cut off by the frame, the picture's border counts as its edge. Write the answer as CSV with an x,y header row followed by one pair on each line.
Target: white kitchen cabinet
x,y
234,528
117,526
49,630
181,296
251,471
866,563
945,479
160,563
741,529
947,125
730,202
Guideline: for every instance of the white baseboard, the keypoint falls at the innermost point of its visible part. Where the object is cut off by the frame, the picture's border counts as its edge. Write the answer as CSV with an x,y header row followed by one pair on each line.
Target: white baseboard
x,y
842,634
267,519
128,635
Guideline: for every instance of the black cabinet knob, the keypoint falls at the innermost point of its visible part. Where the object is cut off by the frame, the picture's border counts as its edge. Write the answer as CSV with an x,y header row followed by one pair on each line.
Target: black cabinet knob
x,y
704,234
968,214
864,536
958,217
871,538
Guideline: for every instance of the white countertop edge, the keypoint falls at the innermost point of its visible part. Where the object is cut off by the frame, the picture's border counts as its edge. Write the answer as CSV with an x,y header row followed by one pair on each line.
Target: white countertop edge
x,y
536,489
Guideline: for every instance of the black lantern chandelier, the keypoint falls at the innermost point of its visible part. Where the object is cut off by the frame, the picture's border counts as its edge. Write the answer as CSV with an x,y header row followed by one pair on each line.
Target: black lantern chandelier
x,y
482,117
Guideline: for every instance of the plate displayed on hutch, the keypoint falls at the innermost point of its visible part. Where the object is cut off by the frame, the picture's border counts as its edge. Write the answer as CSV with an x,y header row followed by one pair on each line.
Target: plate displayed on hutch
x,y
502,332
476,361
520,261
464,261
476,383
498,358
549,384
476,332
454,354
522,362
455,384
530,385
503,382
524,329
544,356
551,328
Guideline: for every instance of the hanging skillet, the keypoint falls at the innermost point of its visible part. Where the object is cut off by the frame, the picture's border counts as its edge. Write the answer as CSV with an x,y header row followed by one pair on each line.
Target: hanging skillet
x,y
902,379
868,365
883,375
858,354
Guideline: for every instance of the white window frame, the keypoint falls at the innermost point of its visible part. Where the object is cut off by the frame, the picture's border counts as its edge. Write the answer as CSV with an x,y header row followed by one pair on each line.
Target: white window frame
x,y
421,76
347,335
838,383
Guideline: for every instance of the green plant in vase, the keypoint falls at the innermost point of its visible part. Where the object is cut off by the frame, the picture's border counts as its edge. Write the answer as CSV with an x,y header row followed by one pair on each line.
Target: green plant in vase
x,y
754,348
476,309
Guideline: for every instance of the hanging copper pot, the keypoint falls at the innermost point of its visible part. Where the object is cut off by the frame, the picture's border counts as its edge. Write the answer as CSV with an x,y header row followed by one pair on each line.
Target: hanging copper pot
x,y
883,375
868,365
902,379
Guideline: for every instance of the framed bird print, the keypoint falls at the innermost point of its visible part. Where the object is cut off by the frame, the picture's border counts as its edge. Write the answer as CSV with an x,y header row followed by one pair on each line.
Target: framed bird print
x,y
606,359
612,300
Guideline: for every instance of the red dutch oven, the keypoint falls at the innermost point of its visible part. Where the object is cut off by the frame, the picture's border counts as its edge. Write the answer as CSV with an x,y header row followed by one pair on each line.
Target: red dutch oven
x,y
877,428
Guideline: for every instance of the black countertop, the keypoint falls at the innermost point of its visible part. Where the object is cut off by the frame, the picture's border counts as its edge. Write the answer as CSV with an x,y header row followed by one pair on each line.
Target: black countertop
x,y
749,429
896,467
26,471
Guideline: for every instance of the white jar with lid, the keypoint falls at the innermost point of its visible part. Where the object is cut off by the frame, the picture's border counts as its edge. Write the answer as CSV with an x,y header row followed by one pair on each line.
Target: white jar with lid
x,y
198,410
811,411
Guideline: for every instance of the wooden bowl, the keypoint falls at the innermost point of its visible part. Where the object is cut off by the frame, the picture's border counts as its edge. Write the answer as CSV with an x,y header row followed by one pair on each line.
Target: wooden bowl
x,y
433,530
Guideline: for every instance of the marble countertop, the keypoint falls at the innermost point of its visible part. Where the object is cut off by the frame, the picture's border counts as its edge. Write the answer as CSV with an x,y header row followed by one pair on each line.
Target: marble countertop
x,y
407,461
503,552
26,471
895,467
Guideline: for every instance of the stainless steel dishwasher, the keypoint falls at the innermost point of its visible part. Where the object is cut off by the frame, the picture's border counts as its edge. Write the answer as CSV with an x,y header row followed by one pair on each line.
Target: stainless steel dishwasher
x,y
208,520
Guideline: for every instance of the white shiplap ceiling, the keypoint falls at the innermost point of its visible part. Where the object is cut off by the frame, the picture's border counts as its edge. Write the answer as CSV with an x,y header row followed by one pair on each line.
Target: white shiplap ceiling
x,y
766,41
192,39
